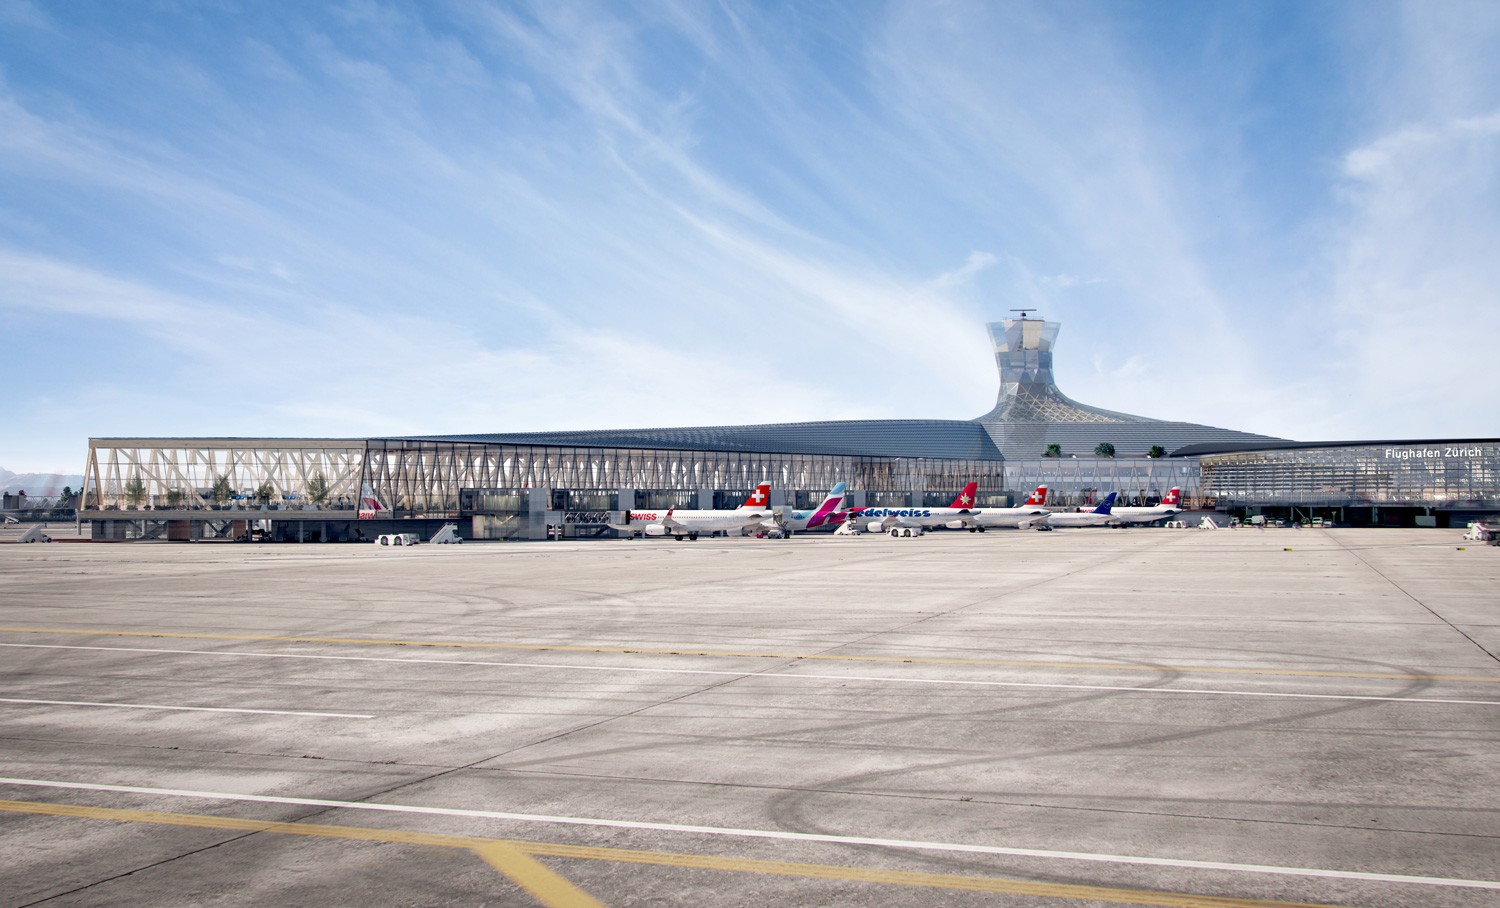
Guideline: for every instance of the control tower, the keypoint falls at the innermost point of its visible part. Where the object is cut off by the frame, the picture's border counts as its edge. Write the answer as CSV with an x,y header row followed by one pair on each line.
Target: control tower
x,y
1031,413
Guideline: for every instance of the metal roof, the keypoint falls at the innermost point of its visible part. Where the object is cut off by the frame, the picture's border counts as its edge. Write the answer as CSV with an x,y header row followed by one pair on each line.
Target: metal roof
x,y
1200,450
946,438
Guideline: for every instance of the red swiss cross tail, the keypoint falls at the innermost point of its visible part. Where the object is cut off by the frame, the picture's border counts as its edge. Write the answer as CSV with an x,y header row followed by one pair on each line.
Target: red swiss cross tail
x,y
760,498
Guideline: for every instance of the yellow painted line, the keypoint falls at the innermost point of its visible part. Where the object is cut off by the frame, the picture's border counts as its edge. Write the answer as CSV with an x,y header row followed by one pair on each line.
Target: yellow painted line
x,y
906,878
515,859
527,872
823,657
546,887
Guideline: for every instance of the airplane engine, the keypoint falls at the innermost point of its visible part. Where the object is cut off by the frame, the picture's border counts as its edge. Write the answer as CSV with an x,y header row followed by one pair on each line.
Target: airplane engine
x,y
655,529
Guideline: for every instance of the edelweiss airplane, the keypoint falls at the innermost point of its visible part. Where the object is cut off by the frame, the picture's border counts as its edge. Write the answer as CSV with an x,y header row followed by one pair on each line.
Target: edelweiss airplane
x,y
879,520
825,516
1170,507
689,524
985,518
1098,517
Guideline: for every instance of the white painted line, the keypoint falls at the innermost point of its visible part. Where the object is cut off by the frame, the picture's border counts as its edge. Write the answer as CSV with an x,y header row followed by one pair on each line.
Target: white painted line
x,y
196,709
776,834
783,676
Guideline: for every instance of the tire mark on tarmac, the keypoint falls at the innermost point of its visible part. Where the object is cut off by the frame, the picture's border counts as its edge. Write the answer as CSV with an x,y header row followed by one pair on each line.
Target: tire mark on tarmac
x,y
981,599
1424,606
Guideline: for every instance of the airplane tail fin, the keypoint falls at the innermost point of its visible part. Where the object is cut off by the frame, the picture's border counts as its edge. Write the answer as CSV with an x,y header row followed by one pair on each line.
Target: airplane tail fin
x,y
1039,497
1174,497
830,505
369,505
758,499
1107,504
965,498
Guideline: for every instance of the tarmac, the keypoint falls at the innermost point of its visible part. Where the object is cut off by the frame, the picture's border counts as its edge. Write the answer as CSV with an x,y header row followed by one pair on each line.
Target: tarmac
x,y
1088,717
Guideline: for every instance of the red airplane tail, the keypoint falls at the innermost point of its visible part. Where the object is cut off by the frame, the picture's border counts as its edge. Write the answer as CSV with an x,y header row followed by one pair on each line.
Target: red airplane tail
x,y
1039,497
965,498
1174,498
760,498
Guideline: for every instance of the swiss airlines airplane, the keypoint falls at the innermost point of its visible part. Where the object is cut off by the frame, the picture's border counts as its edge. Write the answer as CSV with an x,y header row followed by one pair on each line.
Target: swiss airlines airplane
x,y
684,524
1098,517
1029,512
825,516
1170,507
879,520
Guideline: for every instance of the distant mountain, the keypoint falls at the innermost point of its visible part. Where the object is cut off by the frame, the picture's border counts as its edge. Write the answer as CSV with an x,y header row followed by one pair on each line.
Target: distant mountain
x,y
38,485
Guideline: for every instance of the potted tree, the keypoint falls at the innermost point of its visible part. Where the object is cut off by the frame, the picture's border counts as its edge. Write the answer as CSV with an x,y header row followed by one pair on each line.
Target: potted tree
x,y
317,489
220,491
1104,449
135,492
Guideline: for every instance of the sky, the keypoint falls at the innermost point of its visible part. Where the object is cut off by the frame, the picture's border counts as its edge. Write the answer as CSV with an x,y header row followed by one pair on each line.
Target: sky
x,y
362,218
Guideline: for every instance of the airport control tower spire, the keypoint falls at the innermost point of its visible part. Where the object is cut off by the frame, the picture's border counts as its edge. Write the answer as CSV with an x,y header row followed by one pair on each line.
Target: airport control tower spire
x,y
1032,417
1028,392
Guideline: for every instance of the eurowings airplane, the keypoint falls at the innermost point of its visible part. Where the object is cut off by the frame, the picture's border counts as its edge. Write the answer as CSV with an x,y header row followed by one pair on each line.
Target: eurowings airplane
x,y
1098,517
1027,513
686,524
1170,507
825,516
878,520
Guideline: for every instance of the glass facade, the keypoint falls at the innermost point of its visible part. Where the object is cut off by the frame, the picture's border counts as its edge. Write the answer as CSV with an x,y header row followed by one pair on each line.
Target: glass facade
x,y
1451,475
419,478
229,474
496,490
1072,481
493,490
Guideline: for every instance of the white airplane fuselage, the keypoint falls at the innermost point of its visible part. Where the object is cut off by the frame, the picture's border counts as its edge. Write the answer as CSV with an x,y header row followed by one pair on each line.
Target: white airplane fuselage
x,y
690,524
1146,515
878,520
1009,517
1089,519
682,523
1101,516
881,519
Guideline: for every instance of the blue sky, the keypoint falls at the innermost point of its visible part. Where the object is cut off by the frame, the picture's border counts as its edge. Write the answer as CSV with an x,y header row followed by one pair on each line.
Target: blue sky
x,y
366,218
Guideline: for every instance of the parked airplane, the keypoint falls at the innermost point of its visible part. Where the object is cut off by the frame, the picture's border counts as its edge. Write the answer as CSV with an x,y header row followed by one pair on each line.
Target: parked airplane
x,y
880,520
1169,508
1098,517
825,516
688,524
985,518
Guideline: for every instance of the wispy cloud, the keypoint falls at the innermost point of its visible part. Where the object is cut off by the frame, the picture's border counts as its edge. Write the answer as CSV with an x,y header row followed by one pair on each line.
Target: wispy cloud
x,y
585,214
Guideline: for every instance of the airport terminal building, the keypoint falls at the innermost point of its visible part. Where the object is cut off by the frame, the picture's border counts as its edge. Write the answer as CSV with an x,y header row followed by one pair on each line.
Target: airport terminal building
x,y
534,485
